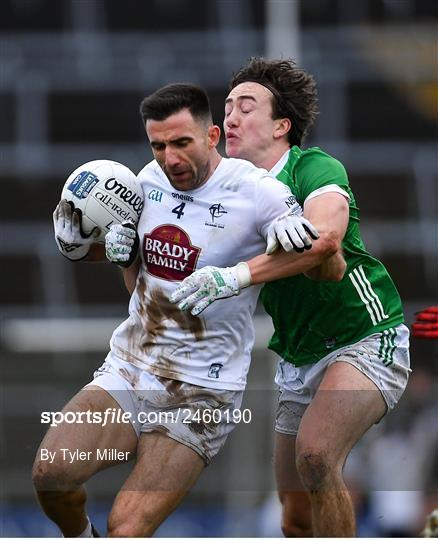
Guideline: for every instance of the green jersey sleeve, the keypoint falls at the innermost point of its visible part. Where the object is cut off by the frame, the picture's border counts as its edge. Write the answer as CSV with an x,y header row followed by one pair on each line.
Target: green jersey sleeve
x,y
317,169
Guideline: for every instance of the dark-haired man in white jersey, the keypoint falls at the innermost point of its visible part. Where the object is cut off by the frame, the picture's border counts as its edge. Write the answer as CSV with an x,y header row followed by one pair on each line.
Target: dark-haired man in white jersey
x,y
201,209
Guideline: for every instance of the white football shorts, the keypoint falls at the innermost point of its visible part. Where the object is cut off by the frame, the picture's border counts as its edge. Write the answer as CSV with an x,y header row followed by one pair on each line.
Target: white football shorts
x,y
383,357
200,418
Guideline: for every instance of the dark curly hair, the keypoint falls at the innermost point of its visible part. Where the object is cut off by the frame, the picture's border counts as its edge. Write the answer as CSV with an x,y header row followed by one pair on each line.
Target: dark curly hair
x,y
294,92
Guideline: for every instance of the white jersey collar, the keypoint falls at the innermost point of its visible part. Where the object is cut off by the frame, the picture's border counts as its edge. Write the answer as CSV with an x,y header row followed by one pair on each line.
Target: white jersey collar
x,y
280,164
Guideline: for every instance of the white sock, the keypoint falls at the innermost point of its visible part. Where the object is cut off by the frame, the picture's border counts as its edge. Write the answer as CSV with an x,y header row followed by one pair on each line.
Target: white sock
x,y
86,533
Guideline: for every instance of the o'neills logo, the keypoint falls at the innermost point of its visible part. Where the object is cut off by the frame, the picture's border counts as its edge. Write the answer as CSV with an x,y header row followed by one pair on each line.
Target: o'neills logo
x,y
125,194
169,254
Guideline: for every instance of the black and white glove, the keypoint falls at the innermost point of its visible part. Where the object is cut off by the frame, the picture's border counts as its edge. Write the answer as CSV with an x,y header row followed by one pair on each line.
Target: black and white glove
x,y
71,240
121,244
293,232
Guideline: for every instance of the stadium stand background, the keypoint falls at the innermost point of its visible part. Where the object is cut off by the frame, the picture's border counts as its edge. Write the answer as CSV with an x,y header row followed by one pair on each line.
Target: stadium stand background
x,y
72,76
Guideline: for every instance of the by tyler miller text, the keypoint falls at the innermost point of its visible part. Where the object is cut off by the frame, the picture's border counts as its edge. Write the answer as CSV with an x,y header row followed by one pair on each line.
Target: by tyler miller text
x,y
72,455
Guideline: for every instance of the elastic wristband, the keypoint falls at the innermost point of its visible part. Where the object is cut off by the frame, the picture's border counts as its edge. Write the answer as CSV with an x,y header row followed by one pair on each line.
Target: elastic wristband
x,y
243,275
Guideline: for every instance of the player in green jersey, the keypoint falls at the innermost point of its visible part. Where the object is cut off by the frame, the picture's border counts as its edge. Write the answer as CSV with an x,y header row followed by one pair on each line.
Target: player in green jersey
x,y
343,347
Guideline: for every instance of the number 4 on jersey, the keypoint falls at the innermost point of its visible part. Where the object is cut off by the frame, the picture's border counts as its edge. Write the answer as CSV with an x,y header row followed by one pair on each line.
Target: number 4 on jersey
x,y
179,210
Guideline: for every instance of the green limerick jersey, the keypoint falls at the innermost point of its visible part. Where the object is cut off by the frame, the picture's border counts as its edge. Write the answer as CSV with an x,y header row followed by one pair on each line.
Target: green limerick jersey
x,y
313,318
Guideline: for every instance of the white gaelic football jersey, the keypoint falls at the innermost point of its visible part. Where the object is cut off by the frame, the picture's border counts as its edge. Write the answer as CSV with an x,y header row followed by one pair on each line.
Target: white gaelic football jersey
x,y
220,223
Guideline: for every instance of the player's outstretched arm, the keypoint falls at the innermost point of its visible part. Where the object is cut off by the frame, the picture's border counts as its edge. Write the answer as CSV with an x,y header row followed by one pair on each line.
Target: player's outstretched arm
x,y
426,323
212,283
71,240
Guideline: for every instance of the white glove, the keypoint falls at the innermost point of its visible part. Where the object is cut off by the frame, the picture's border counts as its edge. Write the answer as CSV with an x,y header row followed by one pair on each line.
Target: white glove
x,y
72,242
121,243
291,231
208,284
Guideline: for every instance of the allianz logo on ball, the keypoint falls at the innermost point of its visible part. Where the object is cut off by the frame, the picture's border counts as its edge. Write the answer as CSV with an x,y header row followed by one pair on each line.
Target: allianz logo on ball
x,y
83,183
107,192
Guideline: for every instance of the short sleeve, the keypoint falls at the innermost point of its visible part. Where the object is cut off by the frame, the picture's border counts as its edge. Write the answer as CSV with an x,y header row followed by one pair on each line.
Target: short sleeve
x,y
317,170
